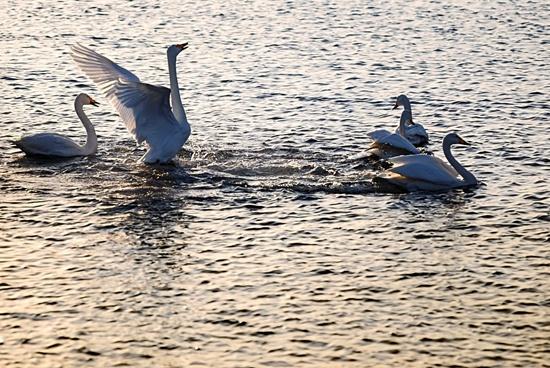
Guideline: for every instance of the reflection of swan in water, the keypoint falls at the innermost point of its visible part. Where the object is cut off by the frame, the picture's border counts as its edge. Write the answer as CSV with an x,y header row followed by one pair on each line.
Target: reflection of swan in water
x,y
146,205
415,133
56,145
387,144
144,108
428,173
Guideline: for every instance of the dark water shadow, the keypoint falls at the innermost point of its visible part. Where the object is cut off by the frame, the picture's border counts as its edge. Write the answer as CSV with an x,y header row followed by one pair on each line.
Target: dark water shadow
x,y
148,205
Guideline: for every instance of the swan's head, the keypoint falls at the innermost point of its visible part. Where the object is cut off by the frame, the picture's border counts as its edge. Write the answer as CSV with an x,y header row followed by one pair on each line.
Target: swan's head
x,y
402,100
174,50
86,100
454,138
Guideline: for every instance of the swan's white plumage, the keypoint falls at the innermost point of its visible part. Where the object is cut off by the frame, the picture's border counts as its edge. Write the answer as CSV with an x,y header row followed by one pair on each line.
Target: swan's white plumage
x,y
49,144
416,134
147,110
144,108
424,159
424,168
384,137
56,145
386,144
422,172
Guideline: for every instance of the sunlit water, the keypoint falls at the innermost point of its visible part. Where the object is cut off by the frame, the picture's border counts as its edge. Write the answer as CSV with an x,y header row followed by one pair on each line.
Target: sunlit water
x,y
265,244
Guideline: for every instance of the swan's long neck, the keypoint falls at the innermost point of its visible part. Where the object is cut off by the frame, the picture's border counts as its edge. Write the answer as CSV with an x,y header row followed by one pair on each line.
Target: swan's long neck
x,y
177,106
91,138
407,105
402,125
469,178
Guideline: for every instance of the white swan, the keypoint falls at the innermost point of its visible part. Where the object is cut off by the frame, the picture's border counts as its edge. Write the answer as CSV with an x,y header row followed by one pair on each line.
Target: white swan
x,y
56,145
429,173
144,108
415,133
387,144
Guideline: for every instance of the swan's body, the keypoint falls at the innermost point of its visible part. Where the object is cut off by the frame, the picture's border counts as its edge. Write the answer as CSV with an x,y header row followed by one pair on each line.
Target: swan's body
x,y
387,144
56,145
428,173
144,108
415,133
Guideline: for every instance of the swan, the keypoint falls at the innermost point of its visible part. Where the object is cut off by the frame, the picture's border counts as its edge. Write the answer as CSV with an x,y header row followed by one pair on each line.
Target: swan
x,y
429,173
387,144
415,133
56,145
144,108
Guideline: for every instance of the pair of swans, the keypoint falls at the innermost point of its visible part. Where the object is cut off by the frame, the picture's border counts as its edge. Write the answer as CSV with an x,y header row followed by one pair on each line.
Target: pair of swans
x,y
412,171
386,144
404,140
144,108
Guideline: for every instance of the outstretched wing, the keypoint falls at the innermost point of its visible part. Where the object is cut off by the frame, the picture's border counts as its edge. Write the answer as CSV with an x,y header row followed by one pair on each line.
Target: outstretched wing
x,y
144,108
102,71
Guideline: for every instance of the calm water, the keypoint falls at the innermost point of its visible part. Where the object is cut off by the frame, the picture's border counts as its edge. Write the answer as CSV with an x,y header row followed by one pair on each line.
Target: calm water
x,y
265,245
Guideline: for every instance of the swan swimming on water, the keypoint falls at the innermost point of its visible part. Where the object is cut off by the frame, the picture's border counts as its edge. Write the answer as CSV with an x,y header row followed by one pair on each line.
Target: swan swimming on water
x,y
387,144
429,173
56,145
144,108
415,133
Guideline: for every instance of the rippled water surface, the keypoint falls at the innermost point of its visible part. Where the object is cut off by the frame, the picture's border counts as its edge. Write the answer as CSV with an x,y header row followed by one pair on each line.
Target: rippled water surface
x,y
265,244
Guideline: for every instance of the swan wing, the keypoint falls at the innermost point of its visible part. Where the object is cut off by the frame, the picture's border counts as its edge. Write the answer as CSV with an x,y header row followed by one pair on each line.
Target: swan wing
x,y
101,70
378,134
49,144
391,180
422,167
416,134
426,159
145,109
416,129
397,141
412,130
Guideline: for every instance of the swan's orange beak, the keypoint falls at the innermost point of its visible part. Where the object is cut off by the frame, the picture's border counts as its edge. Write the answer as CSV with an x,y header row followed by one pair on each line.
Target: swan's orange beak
x,y
94,102
183,46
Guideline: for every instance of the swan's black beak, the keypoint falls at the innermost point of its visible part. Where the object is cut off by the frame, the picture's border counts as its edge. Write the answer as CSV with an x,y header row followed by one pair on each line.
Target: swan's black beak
x,y
183,46
462,141
94,103
395,106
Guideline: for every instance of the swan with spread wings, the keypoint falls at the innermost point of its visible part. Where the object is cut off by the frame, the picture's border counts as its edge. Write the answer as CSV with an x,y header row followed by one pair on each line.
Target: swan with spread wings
x,y
144,108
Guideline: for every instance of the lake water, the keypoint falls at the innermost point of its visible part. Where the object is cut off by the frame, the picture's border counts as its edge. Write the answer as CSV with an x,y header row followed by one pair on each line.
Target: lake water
x,y
265,244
